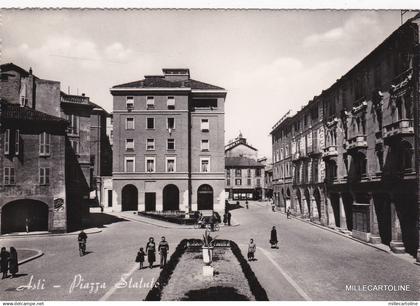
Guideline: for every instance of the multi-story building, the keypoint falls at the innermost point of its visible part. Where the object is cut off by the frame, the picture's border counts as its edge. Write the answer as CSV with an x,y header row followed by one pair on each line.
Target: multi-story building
x,y
168,140
268,177
87,153
244,173
366,181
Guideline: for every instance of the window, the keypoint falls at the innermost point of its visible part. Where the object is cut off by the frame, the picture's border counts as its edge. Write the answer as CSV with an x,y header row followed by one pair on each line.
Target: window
x,y
150,123
238,172
228,182
129,123
204,145
9,176
258,172
227,172
258,182
17,142
7,141
44,144
44,176
73,128
171,102
150,164
129,103
129,144
205,125
150,102
171,144
249,172
205,164
238,182
248,181
170,124
74,143
170,164
150,144
129,164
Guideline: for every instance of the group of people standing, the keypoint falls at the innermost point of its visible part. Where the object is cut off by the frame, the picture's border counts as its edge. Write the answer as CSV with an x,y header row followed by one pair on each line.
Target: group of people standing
x,y
9,262
163,249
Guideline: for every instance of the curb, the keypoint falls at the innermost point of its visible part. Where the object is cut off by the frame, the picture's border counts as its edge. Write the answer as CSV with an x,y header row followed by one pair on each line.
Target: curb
x,y
162,225
92,231
39,254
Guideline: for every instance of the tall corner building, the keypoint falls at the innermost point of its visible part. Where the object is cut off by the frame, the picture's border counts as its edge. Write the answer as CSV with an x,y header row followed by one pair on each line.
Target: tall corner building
x,y
168,140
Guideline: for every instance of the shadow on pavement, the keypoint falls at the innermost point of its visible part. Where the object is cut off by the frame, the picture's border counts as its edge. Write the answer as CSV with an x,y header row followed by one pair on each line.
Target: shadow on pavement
x,y
99,220
234,206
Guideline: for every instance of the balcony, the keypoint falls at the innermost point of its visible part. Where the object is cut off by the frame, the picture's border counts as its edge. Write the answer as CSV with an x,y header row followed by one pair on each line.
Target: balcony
x,y
357,142
314,149
399,128
330,151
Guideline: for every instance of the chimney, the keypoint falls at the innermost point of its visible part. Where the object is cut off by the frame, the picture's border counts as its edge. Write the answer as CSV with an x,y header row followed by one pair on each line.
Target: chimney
x,y
178,74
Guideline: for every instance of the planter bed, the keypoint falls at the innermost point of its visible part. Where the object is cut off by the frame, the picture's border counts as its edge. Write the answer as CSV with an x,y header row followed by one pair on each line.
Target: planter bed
x,y
182,278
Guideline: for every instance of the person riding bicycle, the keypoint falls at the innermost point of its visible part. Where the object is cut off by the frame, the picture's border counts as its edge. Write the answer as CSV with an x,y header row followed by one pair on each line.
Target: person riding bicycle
x,y
82,242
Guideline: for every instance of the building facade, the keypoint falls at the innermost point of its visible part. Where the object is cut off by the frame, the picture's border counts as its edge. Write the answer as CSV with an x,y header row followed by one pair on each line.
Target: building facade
x,y
84,145
168,139
244,173
348,159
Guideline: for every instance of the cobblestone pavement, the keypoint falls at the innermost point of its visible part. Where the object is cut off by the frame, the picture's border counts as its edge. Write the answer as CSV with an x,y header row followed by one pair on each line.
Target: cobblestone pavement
x,y
311,263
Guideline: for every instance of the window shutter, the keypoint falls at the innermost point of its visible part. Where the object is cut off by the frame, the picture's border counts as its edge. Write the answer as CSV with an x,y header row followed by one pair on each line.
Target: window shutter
x,y
12,176
6,141
17,142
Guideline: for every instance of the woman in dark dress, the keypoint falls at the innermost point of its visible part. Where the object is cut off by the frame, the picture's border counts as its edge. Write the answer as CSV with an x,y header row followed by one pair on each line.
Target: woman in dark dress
x,y
4,262
13,262
151,252
273,238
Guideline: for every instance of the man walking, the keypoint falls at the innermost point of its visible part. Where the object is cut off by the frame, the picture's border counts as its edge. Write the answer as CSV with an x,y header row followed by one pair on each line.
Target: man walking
x,y
229,216
163,251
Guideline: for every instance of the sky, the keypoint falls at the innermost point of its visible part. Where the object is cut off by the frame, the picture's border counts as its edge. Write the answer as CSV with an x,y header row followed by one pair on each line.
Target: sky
x,y
269,61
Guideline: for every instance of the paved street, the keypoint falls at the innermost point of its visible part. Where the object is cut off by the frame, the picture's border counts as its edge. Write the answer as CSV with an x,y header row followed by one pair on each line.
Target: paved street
x,y
311,263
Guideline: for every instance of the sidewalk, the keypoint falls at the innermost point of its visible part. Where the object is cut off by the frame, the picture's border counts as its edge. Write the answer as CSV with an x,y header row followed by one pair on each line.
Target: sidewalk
x,y
89,231
159,223
379,246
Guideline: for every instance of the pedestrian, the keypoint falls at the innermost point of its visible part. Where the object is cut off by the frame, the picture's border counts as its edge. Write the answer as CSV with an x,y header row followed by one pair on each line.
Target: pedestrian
x,y
13,262
140,258
81,238
163,251
27,225
4,262
246,204
151,251
252,247
229,216
211,221
288,213
273,238
225,218
273,206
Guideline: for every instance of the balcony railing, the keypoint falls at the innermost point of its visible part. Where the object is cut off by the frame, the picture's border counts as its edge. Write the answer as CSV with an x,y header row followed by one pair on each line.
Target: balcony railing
x,y
330,151
401,127
357,142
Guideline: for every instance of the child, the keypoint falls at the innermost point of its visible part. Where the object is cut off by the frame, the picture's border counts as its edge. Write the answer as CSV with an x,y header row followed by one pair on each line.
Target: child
x,y
140,258
252,247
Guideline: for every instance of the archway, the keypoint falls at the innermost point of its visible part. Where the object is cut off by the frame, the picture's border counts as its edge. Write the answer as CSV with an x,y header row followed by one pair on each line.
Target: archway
x,y
317,197
14,215
299,200
205,197
170,197
308,202
335,205
129,198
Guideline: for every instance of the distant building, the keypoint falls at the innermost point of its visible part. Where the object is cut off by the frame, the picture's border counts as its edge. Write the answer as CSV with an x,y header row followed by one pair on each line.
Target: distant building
x,y
268,176
168,139
349,158
244,174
